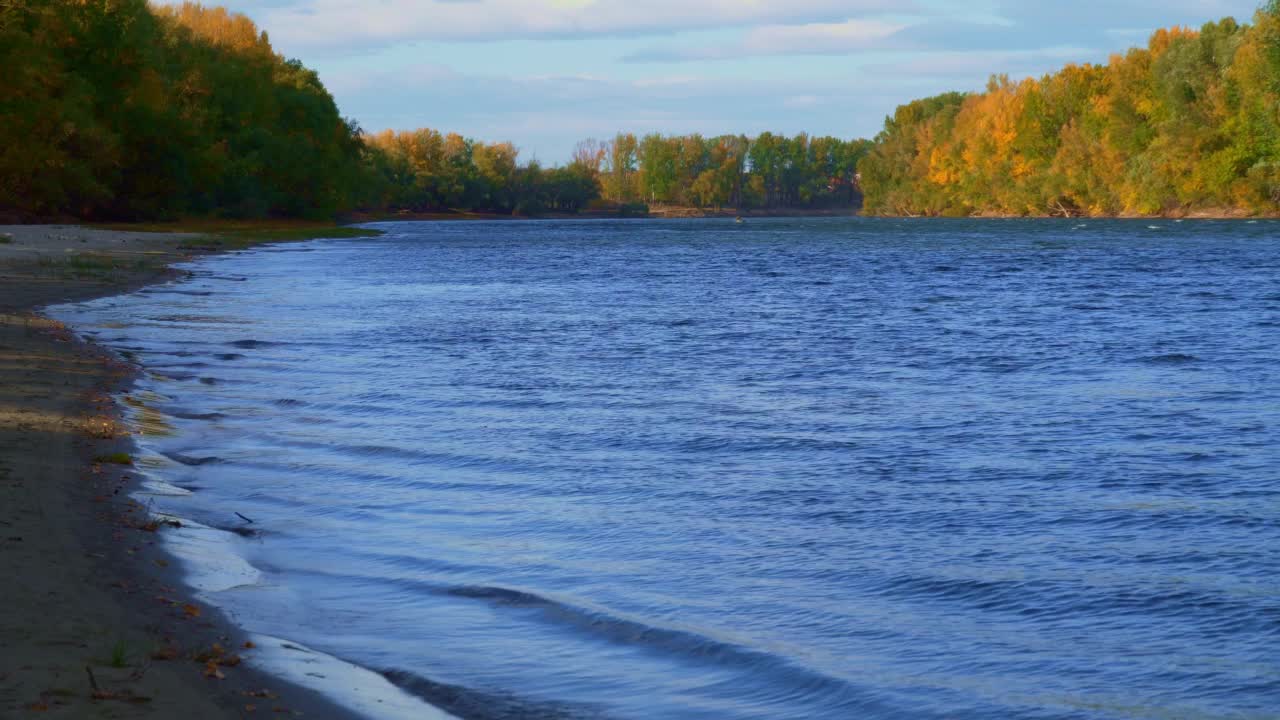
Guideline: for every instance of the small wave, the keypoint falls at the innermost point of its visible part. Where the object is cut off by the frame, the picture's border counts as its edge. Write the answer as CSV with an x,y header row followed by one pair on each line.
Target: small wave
x,y
988,593
481,705
229,356
685,645
192,461
250,344
166,291
197,416
1171,359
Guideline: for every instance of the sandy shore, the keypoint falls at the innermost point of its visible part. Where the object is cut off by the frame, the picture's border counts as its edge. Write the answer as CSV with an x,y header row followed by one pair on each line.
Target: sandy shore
x,y
93,623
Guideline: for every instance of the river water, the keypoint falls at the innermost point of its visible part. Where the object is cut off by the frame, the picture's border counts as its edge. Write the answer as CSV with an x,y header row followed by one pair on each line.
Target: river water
x,y
828,468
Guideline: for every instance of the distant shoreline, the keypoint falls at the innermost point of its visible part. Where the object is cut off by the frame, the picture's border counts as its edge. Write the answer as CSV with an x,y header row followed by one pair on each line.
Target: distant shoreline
x,y
683,213
659,212
1208,214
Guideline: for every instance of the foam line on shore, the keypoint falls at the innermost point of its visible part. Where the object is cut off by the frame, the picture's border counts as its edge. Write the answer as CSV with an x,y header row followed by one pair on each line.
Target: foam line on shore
x,y
348,685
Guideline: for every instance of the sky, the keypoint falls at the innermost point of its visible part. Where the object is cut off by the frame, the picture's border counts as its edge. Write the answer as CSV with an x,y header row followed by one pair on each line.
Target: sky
x,y
545,74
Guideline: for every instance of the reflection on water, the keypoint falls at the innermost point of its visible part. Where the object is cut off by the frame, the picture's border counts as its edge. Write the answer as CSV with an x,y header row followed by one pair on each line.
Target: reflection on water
x,y
788,469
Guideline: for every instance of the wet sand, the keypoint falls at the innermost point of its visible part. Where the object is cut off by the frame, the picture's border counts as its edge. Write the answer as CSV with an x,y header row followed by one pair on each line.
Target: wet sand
x,y
94,623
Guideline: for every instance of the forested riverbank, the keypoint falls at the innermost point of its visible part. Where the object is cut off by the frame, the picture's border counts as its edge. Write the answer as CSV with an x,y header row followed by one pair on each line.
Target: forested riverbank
x,y
117,110
1188,125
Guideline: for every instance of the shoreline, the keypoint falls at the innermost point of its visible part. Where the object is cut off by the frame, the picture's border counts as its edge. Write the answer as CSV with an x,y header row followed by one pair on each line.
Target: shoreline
x,y
99,621
686,213
1222,214
657,212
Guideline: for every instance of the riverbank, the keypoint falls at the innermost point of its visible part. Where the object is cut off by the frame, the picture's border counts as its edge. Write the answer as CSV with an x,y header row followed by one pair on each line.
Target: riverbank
x,y
655,212
1180,214
95,622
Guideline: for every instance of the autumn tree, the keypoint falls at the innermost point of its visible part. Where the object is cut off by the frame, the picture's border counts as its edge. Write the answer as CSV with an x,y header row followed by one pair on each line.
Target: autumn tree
x,y
1187,122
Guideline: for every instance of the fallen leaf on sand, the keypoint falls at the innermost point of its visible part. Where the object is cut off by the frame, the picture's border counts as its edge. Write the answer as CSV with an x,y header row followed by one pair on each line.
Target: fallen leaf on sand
x,y
264,694
123,696
166,653
191,611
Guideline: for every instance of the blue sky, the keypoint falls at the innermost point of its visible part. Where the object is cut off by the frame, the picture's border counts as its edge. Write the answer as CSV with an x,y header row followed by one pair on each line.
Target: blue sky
x,y
544,74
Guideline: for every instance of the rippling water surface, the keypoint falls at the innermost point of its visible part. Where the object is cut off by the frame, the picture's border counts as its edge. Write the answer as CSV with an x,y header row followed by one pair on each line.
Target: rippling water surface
x,y
788,469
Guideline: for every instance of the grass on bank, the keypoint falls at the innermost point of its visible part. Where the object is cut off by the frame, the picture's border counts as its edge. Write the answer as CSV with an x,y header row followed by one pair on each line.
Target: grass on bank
x,y
96,266
240,234
119,654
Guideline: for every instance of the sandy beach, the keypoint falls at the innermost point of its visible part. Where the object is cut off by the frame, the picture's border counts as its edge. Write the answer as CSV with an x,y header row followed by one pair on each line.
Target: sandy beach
x,y
94,623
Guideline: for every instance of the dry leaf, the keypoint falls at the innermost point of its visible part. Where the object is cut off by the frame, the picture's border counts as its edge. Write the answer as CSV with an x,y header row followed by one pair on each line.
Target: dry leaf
x,y
166,653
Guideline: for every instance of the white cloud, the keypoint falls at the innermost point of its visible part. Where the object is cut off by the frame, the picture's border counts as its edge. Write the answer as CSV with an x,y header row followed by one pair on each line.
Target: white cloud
x,y
971,68
1017,26
342,23
808,39
546,115
817,37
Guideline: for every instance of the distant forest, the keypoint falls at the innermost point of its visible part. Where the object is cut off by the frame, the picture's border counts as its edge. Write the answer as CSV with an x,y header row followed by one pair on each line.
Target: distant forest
x,y
114,109
1189,123
422,170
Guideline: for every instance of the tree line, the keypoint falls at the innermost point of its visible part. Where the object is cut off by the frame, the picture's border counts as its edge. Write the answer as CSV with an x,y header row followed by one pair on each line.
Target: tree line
x,y
425,170
1190,122
767,171
115,109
